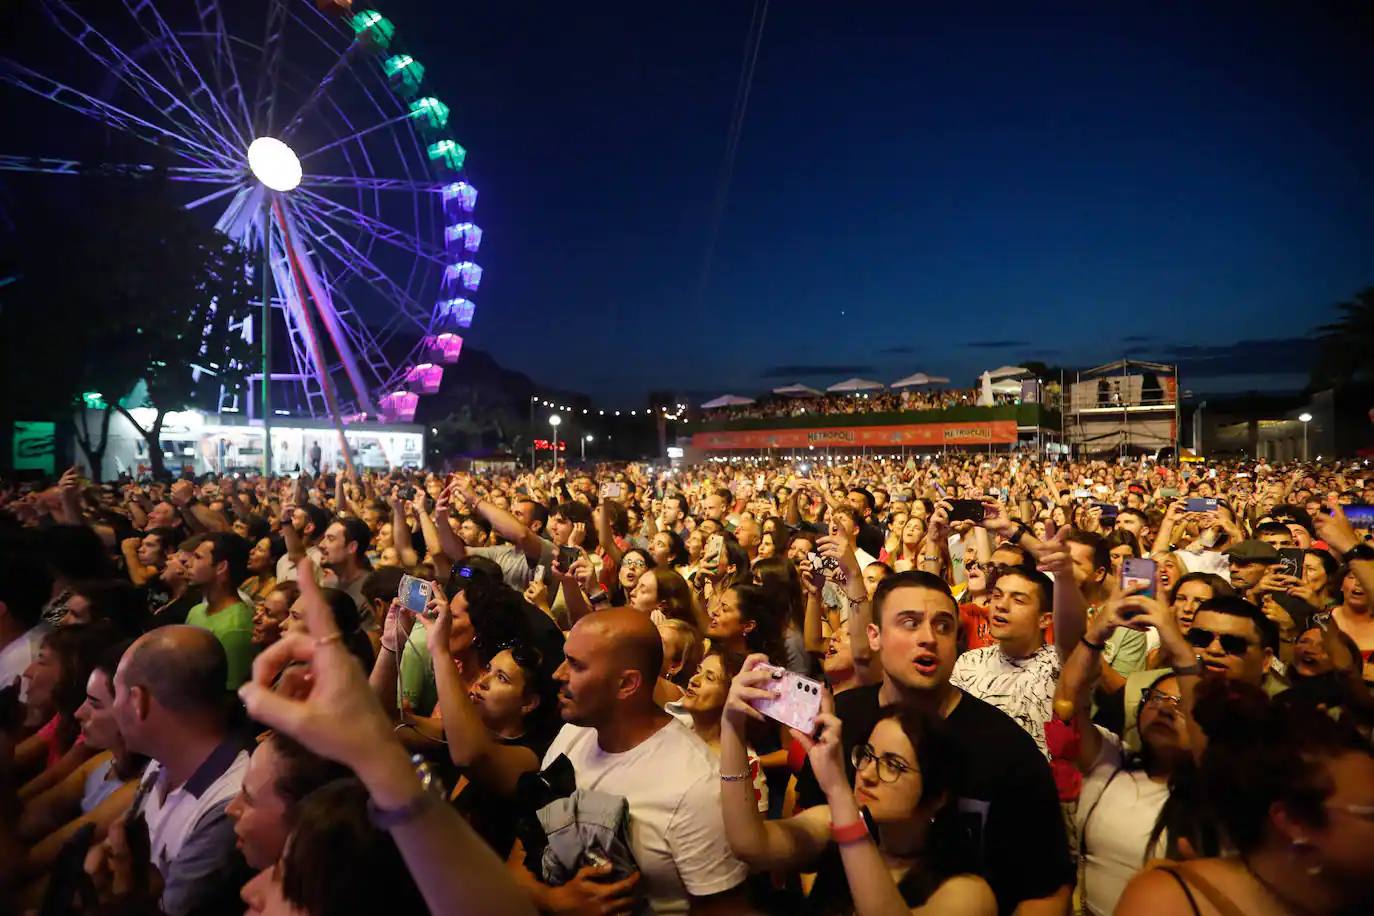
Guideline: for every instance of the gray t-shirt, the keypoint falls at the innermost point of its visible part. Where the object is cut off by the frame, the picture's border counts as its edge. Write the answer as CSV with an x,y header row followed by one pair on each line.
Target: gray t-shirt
x,y
516,568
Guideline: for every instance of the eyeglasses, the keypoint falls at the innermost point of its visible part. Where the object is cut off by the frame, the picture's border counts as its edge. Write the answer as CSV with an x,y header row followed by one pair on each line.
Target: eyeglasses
x,y
1152,696
634,561
890,766
1231,644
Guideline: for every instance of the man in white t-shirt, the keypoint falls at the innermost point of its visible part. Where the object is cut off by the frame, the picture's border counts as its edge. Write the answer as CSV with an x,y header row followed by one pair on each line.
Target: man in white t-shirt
x,y
1020,672
620,743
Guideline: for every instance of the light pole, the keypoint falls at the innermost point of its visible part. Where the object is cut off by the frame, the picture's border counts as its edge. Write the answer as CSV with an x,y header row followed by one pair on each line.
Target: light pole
x,y
554,421
1306,418
585,439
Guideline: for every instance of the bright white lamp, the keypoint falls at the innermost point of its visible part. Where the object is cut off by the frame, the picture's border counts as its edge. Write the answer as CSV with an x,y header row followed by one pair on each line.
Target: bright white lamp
x,y
274,164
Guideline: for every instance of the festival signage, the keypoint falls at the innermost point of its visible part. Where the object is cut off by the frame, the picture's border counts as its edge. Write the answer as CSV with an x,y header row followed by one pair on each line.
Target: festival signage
x,y
994,432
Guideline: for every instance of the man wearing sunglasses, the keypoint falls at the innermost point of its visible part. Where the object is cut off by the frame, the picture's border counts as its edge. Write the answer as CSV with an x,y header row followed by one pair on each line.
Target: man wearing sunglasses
x,y
1235,640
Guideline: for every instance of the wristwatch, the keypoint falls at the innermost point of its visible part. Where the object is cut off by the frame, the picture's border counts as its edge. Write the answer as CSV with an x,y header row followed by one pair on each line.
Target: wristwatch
x,y
1360,551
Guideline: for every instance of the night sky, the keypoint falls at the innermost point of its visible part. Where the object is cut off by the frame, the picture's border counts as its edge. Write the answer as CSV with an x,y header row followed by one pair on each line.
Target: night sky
x,y
915,189
929,190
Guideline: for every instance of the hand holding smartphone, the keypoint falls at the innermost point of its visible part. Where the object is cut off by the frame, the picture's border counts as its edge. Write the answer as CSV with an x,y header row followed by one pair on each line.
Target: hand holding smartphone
x,y
1139,571
414,593
798,701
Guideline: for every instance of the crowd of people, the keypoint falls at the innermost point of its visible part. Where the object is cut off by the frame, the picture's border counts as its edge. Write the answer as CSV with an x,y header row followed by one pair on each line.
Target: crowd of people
x,y
1034,687
877,401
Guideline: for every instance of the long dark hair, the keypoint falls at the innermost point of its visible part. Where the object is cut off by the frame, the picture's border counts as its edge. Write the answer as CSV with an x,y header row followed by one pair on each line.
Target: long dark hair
x,y
761,607
78,650
779,575
337,862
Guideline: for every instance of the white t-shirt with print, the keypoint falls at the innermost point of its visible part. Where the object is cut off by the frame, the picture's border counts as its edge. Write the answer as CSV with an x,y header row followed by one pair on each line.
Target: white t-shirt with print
x,y
672,784
1023,688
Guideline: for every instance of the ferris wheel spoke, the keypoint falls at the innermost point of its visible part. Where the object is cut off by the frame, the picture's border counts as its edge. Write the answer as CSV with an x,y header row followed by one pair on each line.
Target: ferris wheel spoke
x,y
53,166
131,74
368,183
347,215
340,141
356,263
265,99
30,80
364,342
339,65
223,68
183,71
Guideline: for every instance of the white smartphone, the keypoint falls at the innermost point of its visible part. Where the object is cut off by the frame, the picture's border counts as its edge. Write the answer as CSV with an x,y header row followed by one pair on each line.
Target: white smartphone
x,y
798,703
714,545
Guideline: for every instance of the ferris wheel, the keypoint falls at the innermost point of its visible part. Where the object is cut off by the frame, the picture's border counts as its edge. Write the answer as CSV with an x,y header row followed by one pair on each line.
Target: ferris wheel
x,y
306,133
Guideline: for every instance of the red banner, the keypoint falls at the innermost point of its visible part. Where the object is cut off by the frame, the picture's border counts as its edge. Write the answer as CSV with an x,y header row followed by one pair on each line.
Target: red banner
x,y
995,432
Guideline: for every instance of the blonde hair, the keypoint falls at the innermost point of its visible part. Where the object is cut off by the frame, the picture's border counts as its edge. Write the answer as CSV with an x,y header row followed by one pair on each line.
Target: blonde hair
x,y
686,645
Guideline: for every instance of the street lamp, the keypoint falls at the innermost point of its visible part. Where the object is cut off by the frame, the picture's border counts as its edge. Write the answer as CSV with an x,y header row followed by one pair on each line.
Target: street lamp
x,y
1306,418
554,421
585,439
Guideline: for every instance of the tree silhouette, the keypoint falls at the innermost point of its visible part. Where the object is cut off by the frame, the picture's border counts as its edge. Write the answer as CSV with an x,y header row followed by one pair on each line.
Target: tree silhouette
x,y
1347,344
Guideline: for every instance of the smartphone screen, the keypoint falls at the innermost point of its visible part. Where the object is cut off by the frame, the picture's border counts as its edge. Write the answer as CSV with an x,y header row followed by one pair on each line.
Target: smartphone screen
x,y
1200,504
961,510
1290,561
1139,571
1361,515
567,556
414,593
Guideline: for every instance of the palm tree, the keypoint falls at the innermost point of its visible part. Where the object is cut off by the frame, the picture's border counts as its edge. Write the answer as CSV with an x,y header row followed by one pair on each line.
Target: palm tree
x,y
1347,343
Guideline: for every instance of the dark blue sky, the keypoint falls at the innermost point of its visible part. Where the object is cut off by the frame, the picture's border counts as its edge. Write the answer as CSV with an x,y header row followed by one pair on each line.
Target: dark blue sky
x,y
915,189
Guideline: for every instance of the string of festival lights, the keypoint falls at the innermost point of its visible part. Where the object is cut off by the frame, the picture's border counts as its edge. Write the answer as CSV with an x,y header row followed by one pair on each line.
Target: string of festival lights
x,y
678,414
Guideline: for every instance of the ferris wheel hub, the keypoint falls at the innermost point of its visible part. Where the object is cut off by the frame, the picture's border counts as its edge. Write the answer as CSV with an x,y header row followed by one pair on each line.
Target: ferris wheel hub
x,y
274,163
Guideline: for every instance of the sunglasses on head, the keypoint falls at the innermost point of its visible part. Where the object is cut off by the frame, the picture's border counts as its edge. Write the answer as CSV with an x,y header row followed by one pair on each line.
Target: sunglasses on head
x,y
1231,644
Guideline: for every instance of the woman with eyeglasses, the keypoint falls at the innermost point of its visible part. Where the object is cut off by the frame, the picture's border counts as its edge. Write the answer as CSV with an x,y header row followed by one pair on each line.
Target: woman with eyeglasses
x,y
1119,810
633,564
1292,790
893,825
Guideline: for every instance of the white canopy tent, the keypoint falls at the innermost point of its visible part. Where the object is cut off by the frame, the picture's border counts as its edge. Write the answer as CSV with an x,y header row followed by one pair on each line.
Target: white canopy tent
x,y
855,384
727,400
919,378
797,391
1008,371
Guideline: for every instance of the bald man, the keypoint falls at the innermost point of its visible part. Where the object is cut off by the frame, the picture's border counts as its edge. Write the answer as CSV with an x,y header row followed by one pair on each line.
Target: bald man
x,y
620,743
170,704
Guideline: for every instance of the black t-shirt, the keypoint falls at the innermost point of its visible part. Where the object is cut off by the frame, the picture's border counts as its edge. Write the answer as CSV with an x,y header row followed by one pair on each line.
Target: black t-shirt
x,y
870,539
1008,804
493,816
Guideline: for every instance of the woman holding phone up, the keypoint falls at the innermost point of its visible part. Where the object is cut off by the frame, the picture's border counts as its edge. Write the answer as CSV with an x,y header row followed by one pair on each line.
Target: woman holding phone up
x,y
907,860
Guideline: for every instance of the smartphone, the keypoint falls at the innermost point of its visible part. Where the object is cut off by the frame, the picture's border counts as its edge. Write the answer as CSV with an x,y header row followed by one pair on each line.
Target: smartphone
x,y
567,556
1200,504
965,510
714,545
829,567
1139,571
1361,515
798,703
414,593
611,490
1108,510
1290,561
